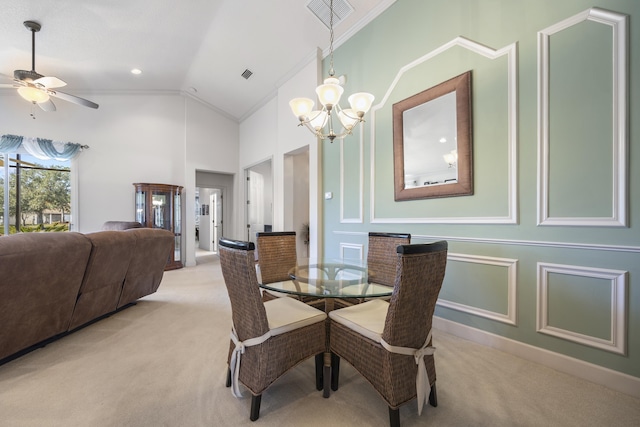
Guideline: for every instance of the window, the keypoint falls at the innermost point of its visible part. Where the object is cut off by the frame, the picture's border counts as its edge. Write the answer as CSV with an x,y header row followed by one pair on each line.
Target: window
x,y
35,194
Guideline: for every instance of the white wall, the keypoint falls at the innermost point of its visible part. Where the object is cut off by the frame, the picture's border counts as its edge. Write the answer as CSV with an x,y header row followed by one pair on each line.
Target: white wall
x,y
158,138
211,146
294,137
258,142
273,131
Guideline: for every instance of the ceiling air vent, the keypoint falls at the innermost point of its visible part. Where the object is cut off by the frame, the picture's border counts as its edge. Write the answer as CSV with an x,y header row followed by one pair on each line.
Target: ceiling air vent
x,y
247,73
320,8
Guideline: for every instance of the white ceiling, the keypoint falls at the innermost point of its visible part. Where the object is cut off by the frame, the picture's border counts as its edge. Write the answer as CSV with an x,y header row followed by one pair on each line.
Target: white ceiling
x,y
179,45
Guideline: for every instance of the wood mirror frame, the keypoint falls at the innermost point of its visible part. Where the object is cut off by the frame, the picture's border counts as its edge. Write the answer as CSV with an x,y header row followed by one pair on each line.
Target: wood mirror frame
x,y
463,186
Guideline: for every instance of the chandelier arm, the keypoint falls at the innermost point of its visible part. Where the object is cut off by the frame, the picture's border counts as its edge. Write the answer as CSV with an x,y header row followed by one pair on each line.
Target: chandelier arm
x,y
310,119
306,120
359,116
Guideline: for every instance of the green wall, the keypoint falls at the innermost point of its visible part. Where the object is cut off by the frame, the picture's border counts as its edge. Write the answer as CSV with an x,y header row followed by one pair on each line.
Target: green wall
x,y
497,248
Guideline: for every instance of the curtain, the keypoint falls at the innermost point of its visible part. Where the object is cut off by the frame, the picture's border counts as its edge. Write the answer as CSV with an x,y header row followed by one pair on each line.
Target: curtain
x,y
44,149
9,143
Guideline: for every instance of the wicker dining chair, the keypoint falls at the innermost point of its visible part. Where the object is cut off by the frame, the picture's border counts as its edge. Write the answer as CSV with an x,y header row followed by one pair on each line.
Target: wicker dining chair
x,y
389,342
269,338
381,262
381,256
277,255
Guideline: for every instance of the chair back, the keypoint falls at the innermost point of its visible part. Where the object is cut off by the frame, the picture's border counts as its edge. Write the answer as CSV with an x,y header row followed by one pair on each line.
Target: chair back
x,y
419,275
276,255
239,273
381,256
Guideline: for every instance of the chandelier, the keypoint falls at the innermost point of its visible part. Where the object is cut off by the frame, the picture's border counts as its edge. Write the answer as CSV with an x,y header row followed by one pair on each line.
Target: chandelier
x,y
321,122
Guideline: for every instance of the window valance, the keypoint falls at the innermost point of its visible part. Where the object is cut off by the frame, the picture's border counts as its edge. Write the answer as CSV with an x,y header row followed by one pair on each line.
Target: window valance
x,y
45,149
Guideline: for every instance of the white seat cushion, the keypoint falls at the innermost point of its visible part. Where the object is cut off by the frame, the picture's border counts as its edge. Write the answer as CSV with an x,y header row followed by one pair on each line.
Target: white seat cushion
x,y
276,294
285,284
366,319
287,314
371,288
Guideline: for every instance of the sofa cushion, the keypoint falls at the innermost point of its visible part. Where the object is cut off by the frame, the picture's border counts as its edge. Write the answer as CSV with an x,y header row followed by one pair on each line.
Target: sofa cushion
x,y
146,268
107,267
40,276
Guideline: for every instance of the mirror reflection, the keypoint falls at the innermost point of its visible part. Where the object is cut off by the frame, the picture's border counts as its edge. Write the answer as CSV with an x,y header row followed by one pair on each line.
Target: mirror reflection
x,y
430,143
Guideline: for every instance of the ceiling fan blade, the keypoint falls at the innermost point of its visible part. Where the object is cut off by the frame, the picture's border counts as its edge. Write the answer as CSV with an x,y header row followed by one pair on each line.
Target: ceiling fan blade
x,y
50,82
72,98
8,85
48,105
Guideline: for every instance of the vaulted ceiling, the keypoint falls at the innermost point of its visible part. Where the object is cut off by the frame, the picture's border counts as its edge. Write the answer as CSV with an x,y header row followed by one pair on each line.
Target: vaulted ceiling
x,y
200,47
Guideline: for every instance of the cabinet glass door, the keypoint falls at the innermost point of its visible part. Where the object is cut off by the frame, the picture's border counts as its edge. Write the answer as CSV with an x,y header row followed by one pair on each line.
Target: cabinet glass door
x,y
161,205
141,207
177,225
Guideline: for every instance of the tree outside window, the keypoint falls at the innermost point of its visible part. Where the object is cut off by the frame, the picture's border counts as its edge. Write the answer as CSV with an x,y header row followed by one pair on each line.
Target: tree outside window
x,y
43,191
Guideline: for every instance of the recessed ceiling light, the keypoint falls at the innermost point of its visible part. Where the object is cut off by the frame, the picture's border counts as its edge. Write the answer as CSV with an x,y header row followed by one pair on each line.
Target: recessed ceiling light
x,y
136,71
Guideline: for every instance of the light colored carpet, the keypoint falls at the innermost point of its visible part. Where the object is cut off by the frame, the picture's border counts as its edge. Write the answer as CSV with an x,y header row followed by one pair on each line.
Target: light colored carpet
x,y
163,363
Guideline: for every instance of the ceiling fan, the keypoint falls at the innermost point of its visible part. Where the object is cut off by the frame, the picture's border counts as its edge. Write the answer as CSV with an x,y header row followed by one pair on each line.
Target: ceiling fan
x,y
35,87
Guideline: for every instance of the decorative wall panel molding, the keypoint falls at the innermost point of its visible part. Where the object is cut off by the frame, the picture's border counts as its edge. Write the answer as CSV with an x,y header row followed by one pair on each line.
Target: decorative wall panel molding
x,y
512,106
347,247
360,218
511,242
618,24
617,279
512,273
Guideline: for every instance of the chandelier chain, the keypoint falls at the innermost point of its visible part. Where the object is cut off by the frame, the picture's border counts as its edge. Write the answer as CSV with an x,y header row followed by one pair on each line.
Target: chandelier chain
x,y
331,71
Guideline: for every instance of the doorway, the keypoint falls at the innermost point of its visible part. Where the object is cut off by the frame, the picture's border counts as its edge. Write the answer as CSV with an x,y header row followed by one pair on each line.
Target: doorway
x,y
213,211
209,218
259,191
296,198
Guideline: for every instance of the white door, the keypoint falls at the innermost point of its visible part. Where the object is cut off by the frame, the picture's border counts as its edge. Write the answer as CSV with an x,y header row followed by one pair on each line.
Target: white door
x,y
216,218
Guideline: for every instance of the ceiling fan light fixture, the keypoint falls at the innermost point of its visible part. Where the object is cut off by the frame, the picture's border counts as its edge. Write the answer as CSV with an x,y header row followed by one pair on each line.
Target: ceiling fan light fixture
x,y
32,94
36,88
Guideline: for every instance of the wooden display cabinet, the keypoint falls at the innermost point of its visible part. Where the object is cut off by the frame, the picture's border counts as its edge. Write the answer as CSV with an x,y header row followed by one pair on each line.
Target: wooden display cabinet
x,y
159,206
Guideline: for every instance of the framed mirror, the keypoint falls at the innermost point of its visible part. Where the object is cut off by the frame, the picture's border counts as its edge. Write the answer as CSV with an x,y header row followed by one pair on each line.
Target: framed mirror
x,y
432,149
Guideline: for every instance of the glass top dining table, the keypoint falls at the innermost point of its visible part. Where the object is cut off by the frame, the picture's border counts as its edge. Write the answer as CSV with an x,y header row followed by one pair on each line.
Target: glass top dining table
x,y
330,278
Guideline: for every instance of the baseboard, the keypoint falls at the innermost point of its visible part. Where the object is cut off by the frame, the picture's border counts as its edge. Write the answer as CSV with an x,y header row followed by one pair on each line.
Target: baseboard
x,y
609,378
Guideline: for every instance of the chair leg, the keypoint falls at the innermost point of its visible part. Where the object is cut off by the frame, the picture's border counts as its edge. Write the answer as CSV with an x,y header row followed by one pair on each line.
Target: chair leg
x,y
319,366
255,407
228,383
433,396
335,371
326,381
394,417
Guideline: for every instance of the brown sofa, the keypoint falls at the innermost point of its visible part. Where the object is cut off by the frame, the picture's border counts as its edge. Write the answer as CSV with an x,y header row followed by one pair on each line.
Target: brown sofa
x,y
53,283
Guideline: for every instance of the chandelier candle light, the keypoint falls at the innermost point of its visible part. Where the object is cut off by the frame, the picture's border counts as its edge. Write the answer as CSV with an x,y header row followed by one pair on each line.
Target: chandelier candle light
x,y
329,95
